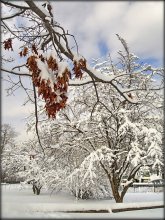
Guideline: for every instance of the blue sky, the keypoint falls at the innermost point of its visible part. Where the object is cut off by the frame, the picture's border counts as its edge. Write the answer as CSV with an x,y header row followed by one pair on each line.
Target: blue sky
x,y
95,25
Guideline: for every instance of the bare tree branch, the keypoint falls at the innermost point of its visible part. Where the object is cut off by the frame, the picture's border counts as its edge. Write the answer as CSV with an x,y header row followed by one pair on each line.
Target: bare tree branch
x,y
15,73
36,116
14,15
14,5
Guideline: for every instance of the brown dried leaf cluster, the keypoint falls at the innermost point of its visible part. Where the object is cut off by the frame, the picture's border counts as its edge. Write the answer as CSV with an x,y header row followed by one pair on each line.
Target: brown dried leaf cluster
x,y
52,64
54,94
34,49
24,52
55,98
8,44
78,66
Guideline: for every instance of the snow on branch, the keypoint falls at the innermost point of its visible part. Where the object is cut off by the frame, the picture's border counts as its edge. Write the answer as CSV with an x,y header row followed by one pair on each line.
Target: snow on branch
x,y
86,173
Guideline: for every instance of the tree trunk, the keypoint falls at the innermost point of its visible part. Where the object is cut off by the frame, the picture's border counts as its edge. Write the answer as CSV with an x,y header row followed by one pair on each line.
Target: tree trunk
x,y
34,189
115,190
38,191
118,198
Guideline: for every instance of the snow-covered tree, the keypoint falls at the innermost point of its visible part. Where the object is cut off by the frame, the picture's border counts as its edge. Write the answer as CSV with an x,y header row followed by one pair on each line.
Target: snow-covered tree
x,y
42,171
8,134
8,146
120,136
119,144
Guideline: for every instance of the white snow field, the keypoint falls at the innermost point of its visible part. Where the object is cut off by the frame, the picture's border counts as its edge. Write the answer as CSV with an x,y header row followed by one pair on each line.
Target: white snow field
x,y
20,202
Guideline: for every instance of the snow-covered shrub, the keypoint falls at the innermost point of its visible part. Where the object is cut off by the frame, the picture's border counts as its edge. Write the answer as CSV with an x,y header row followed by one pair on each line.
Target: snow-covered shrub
x,y
88,180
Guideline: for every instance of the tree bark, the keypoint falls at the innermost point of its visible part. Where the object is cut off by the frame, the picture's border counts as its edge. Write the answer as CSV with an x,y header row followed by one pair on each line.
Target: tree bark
x,y
36,190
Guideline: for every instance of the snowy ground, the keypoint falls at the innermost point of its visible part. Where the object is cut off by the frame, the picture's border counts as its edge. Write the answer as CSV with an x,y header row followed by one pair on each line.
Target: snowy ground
x,y
21,203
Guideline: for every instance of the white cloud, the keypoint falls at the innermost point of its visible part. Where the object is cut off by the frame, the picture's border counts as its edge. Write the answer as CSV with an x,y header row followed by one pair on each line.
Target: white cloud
x,y
140,23
13,113
12,109
144,28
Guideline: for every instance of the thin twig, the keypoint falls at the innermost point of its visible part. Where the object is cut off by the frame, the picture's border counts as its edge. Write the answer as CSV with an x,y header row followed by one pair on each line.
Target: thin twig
x,y
36,116
16,73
